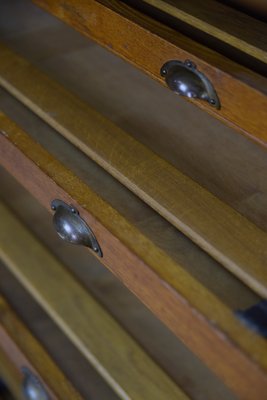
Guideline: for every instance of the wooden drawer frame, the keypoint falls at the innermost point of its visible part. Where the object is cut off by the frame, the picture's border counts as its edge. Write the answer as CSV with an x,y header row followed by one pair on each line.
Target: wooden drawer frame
x,y
178,299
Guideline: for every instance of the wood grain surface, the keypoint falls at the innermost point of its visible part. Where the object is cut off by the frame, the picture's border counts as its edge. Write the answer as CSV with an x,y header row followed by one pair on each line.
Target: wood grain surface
x,y
170,292
120,361
227,236
148,45
220,21
18,348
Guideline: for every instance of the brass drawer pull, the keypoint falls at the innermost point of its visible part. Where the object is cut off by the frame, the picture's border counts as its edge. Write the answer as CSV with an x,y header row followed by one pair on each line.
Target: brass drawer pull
x,y
32,387
72,228
185,79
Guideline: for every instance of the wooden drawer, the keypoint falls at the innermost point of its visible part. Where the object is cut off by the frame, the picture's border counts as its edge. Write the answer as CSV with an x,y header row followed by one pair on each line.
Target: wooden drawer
x,y
109,349
190,257
226,45
87,329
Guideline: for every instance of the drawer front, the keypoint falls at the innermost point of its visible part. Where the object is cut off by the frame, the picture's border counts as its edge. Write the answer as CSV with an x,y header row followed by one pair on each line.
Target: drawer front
x,y
242,92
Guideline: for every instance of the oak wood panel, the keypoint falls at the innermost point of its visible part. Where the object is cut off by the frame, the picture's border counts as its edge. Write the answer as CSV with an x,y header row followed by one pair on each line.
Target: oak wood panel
x,y
18,348
184,305
227,236
220,21
148,45
121,362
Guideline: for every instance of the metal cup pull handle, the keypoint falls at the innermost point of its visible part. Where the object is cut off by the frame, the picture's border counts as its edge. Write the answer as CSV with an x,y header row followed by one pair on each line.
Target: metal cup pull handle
x,y
32,388
72,228
185,79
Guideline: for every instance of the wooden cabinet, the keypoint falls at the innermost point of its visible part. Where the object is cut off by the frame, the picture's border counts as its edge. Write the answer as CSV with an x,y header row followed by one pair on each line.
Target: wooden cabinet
x,y
175,198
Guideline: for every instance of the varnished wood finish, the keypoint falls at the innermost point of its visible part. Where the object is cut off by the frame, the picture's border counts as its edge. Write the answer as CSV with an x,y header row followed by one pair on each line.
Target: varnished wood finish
x,y
120,361
166,288
148,45
18,348
227,236
220,21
